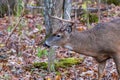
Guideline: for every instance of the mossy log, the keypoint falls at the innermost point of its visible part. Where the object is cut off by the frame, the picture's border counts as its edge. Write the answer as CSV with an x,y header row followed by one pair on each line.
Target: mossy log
x,y
62,63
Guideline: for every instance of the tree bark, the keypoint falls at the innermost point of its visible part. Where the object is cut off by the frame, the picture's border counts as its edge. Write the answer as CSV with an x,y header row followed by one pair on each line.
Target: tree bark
x,y
67,9
53,8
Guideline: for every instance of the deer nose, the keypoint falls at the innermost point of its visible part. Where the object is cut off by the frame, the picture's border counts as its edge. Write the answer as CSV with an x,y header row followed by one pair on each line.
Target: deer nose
x,y
45,45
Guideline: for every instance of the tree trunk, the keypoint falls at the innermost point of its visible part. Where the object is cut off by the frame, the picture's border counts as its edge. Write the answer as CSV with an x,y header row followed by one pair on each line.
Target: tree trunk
x,y
53,8
67,9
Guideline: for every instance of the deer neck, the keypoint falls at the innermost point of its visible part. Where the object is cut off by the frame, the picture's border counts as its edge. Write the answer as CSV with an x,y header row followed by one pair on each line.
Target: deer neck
x,y
81,42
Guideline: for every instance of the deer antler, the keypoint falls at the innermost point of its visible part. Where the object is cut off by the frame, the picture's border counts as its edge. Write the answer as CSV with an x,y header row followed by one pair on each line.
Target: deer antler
x,y
62,19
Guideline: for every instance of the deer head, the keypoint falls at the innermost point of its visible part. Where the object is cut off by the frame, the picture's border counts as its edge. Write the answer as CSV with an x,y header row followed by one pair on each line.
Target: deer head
x,y
60,37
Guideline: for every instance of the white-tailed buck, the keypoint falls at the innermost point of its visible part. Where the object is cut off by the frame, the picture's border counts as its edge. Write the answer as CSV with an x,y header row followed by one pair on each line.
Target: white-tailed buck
x,y
101,42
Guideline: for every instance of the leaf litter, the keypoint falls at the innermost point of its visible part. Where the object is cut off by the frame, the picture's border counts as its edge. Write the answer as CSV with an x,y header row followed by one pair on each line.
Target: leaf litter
x,y
21,52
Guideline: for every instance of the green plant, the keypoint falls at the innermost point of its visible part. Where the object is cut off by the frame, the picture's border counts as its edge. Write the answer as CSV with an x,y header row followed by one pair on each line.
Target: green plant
x,y
41,52
88,17
19,7
86,12
9,28
39,27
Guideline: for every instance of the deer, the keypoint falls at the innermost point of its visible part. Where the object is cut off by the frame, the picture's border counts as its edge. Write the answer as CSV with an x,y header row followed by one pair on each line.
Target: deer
x,y
102,42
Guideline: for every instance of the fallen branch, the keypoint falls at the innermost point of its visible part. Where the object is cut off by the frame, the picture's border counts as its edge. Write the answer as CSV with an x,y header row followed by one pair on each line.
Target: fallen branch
x,y
12,31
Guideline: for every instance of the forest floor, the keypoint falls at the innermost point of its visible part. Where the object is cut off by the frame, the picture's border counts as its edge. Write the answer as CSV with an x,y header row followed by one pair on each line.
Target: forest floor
x,y
19,50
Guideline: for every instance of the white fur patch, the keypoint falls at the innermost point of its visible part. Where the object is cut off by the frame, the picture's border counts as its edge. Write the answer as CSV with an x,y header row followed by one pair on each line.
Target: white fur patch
x,y
46,42
55,47
68,47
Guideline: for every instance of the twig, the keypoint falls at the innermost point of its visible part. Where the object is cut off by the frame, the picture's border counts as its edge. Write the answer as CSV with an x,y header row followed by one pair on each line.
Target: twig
x,y
12,31
62,19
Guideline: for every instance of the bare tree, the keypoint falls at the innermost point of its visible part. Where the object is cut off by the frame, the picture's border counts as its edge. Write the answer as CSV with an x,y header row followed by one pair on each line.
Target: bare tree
x,y
67,9
59,9
53,8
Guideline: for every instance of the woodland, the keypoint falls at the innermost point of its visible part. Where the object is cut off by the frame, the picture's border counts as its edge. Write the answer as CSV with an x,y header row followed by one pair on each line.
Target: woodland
x,y
26,24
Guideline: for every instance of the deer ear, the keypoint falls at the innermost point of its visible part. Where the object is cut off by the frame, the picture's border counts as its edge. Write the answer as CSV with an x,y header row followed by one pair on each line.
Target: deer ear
x,y
69,28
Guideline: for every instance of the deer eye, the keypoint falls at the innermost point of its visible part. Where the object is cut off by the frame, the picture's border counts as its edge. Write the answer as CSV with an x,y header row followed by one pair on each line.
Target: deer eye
x,y
58,35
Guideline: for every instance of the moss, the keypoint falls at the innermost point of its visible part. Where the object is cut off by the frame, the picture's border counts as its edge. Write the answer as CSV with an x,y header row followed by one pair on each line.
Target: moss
x,y
62,63
42,65
67,62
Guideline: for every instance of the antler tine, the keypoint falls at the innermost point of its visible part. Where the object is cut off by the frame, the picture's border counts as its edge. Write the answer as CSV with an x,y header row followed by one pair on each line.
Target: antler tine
x,y
62,19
